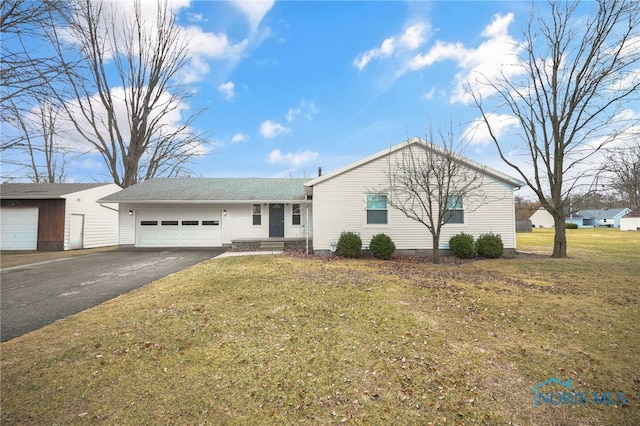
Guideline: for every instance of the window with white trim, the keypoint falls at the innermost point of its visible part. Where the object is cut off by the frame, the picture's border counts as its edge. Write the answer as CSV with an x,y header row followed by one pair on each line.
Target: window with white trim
x,y
377,209
295,214
454,206
257,214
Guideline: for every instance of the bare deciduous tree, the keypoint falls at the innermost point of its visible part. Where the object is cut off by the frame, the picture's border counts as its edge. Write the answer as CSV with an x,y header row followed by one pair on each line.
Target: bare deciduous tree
x,y
26,57
575,75
126,107
35,147
623,167
432,184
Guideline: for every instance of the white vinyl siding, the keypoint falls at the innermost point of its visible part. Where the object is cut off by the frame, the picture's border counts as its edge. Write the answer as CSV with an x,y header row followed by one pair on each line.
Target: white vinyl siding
x,y
235,225
298,231
100,222
344,193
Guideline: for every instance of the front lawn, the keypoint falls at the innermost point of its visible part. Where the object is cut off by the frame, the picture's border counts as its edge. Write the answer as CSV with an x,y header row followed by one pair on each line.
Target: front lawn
x,y
281,340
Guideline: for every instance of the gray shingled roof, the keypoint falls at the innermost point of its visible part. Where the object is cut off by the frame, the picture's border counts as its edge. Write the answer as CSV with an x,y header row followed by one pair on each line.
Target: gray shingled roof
x,y
212,189
42,191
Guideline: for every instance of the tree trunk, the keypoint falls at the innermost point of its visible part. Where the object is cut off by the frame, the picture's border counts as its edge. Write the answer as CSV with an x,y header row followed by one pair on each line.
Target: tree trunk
x,y
436,249
560,237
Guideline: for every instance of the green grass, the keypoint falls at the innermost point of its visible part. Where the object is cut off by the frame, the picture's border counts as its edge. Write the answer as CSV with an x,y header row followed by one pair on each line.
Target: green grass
x,y
281,340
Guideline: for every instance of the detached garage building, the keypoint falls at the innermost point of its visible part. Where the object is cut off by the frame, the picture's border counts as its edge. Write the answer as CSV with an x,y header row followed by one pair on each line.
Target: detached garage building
x,y
56,216
212,212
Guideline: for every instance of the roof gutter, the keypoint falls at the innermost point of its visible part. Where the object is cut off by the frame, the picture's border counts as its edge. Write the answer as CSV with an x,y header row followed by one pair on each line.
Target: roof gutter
x,y
107,207
300,201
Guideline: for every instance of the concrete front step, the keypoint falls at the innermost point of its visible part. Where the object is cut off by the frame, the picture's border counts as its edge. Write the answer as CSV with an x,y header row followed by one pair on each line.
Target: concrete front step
x,y
272,245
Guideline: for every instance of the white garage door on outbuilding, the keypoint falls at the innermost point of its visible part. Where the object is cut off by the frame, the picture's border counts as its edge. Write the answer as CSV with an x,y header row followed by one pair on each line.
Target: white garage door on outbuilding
x,y
19,228
175,227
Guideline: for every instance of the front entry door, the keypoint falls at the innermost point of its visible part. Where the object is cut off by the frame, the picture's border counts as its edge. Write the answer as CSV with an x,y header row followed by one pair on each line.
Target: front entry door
x,y
276,220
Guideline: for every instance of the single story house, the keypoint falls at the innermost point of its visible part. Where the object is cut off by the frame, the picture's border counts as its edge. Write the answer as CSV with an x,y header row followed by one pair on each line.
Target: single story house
x,y
350,199
209,212
631,221
541,218
212,212
57,216
609,218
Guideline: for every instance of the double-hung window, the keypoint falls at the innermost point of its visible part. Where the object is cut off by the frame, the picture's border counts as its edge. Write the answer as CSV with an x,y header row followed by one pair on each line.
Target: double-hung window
x,y
455,211
257,215
377,209
295,214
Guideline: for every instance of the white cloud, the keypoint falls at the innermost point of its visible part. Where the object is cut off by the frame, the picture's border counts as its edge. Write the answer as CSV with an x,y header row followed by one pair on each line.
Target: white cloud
x,y
430,94
305,108
478,134
227,90
196,17
412,38
270,129
294,160
204,46
239,137
254,11
498,54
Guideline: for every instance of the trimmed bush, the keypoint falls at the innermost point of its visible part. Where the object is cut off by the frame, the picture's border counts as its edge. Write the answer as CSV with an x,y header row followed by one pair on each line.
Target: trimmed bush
x,y
462,246
489,245
382,246
570,226
349,244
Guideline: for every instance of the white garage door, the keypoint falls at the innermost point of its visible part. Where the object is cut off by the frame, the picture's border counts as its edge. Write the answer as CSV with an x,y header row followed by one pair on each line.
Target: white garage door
x,y
178,227
19,228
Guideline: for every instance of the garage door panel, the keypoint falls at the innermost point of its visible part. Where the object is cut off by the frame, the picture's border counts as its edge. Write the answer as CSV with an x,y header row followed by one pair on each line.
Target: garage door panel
x,y
178,228
19,228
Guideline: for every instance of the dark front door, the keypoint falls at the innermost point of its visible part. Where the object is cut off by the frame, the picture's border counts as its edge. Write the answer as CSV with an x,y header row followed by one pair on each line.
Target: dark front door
x,y
276,220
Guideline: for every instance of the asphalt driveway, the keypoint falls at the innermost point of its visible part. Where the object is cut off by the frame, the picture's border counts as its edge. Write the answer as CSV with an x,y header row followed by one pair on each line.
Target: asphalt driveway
x,y
32,296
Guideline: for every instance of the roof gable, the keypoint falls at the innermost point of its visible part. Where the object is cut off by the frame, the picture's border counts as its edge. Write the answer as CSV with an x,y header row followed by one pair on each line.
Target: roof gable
x,y
212,189
416,141
43,191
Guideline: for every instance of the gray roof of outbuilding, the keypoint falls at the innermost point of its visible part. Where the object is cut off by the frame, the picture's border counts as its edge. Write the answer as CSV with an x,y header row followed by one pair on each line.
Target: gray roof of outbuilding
x,y
42,191
212,189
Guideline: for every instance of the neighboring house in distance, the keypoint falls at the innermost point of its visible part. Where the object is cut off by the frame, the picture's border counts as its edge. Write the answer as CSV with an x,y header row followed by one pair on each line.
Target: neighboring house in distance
x,y
57,216
343,201
212,212
609,218
542,219
631,221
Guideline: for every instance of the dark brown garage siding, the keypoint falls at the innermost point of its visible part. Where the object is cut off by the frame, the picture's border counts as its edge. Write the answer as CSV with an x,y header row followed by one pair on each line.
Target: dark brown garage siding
x,y
50,221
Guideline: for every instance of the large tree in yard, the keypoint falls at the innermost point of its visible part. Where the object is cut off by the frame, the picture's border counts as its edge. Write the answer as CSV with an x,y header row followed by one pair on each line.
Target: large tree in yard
x,y
128,103
570,91
432,184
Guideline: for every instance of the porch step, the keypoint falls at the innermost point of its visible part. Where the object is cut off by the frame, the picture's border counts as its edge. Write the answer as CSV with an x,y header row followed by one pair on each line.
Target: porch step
x,y
272,245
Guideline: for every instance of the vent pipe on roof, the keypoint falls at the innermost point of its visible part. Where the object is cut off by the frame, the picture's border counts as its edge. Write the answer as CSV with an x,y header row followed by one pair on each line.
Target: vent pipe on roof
x,y
319,171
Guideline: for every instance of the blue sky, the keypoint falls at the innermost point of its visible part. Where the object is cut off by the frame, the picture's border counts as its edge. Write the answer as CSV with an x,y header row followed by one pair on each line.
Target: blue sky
x,y
327,83
288,86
